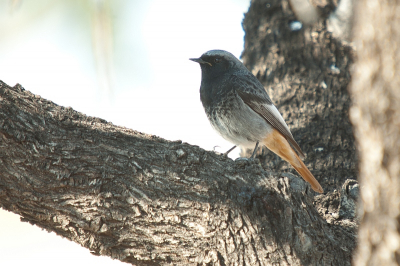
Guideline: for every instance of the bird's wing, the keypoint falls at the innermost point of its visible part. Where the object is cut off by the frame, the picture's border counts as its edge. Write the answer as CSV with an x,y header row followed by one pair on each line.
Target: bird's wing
x,y
260,103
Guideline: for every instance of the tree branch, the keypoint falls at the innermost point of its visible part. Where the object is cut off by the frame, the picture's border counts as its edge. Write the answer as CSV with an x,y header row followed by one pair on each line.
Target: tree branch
x,y
148,201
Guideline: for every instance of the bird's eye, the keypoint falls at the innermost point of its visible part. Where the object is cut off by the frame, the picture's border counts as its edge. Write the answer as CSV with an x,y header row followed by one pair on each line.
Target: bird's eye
x,y
217,60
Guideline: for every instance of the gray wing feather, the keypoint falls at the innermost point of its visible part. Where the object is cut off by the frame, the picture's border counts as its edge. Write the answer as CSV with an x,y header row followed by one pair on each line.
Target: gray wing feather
x,y
262,105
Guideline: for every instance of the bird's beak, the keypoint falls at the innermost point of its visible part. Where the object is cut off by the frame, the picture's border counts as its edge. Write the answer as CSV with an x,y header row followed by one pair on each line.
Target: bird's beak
x,y
200,61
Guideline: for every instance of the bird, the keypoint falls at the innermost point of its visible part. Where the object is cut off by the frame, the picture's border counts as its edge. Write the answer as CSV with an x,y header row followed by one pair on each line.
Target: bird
x,y
240,110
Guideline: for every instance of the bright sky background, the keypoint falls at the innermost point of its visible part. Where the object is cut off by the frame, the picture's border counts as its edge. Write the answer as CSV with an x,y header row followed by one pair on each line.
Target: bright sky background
x,y
47,47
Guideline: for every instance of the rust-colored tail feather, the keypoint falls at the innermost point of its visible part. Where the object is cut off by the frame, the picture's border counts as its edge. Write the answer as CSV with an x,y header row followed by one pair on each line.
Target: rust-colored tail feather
x,y
279,145
306,175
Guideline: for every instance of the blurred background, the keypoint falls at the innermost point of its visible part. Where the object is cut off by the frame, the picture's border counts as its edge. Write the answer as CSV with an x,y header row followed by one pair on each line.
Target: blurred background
x,y
123,61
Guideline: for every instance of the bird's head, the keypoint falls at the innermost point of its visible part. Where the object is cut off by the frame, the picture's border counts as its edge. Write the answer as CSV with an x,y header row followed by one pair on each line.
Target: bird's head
x,y
217,62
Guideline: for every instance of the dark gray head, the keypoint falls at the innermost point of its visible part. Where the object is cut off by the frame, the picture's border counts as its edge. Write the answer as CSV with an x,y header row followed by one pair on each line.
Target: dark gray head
x,y
218,62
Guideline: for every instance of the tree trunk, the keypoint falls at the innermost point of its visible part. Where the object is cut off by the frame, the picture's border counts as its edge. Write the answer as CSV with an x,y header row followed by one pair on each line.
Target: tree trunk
x,y
376,117
306,73
148,201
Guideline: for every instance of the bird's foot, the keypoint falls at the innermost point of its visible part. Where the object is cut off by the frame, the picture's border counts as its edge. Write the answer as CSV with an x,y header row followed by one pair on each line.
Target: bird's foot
x,y
254,151
231,149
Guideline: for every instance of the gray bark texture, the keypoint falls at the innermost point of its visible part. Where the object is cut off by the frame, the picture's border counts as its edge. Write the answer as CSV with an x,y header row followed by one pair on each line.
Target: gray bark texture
x,y
149,201
376,117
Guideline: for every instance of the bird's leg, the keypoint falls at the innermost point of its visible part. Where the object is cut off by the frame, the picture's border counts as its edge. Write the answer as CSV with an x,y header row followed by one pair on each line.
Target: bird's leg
x,y
255,149
231,149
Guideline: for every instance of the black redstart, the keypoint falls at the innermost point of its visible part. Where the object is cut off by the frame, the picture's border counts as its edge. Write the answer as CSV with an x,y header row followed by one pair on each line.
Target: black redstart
x,y
240,109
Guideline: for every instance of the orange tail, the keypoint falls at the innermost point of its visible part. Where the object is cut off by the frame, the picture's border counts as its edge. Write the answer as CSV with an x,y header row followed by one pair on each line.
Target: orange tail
x,y
279,145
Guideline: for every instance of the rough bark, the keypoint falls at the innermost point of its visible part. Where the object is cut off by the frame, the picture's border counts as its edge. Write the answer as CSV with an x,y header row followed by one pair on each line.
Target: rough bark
x,y
147,201
376,117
